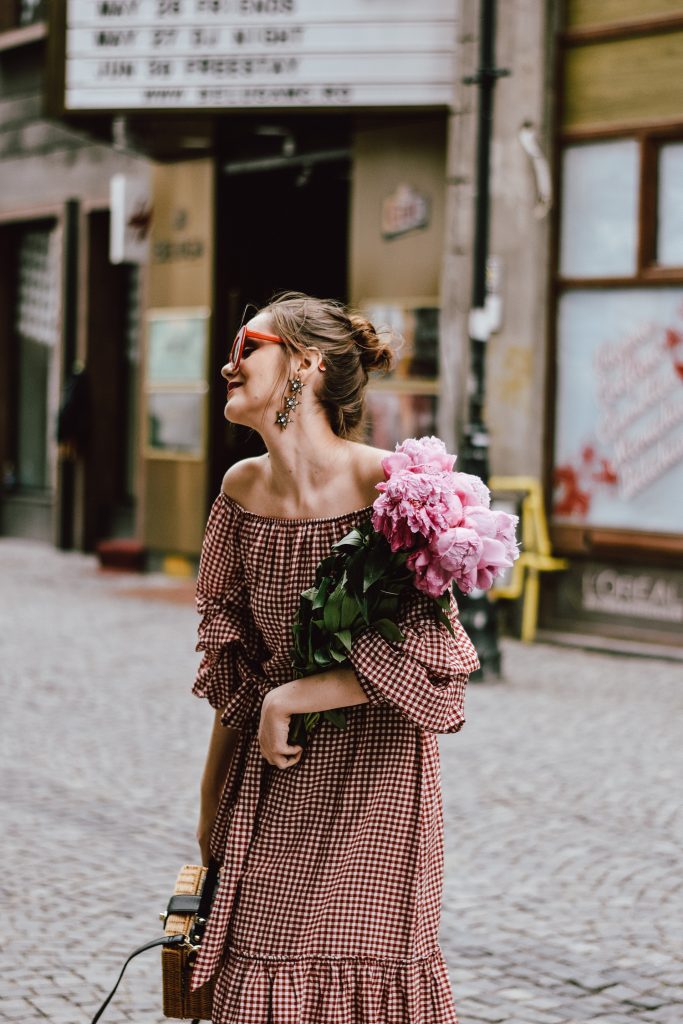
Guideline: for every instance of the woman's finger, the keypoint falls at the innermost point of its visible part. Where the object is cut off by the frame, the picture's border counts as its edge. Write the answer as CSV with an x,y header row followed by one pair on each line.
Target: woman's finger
x,y
288,760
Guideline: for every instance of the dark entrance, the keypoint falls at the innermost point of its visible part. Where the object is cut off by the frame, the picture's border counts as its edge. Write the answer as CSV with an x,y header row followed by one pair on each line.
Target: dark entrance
x,y
282,224
111,362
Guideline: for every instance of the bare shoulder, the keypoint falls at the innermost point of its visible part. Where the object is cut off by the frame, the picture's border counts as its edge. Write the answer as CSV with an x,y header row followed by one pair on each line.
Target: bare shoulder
x,y
242,477
369,466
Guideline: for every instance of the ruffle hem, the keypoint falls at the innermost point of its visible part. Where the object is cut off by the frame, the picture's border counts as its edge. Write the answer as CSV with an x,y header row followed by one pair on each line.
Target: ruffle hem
x,y
332,990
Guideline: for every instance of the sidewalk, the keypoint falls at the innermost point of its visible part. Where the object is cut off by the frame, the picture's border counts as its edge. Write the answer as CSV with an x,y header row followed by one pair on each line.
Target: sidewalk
x,y
562,798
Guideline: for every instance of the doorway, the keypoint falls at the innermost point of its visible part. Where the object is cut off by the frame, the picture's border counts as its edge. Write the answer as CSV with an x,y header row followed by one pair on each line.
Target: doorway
x,y
112,357
281,225
29,376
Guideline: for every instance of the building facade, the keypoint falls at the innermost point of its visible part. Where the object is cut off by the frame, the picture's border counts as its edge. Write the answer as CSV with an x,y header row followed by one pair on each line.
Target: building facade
x,y
284,146
615,400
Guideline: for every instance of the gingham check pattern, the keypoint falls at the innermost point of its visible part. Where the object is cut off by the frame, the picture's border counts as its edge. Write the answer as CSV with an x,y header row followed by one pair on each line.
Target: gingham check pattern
x,y
328,906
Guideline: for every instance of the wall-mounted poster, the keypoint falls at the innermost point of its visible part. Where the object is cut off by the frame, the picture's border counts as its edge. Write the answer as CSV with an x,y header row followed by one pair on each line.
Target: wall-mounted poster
x,y
619,425
176,346
175,382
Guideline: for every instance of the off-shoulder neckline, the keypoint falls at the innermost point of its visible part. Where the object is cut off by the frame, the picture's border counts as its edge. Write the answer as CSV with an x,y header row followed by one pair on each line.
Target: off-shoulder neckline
x,y
293,522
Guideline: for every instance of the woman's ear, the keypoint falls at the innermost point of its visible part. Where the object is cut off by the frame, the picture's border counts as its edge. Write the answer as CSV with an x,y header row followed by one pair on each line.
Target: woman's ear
x,y
310,359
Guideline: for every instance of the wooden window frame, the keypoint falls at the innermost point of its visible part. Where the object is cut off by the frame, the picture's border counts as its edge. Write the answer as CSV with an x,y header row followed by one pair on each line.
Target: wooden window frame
x,y
586,540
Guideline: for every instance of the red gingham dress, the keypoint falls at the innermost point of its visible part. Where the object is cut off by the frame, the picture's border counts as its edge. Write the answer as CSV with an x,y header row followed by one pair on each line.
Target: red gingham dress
x,y
328,905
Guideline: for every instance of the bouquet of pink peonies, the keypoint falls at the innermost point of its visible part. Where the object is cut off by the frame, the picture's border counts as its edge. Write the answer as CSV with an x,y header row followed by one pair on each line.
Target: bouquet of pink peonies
x,y
432,529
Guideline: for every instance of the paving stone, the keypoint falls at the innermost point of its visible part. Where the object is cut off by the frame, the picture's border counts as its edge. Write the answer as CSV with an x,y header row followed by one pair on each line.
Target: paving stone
x,y
562,819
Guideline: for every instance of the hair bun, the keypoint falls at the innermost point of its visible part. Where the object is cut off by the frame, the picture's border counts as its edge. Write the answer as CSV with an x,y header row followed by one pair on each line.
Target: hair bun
x,y
375,354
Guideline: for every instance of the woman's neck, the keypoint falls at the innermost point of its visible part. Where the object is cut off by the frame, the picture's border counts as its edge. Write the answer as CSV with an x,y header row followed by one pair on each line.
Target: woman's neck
x,y
298,471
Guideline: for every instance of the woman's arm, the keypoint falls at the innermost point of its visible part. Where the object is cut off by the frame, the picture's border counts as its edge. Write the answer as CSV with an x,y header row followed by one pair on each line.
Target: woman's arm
x,y
336,688
222,746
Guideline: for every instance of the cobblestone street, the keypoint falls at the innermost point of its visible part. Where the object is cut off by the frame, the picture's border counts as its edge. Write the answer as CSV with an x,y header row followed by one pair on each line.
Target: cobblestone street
x,y
562,795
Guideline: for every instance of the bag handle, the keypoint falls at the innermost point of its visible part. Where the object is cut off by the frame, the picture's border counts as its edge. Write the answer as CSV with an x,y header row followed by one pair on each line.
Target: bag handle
x,y
205,900
164,940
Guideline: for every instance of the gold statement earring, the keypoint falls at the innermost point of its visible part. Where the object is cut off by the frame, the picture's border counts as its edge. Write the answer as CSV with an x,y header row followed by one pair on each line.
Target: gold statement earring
x,y
284,416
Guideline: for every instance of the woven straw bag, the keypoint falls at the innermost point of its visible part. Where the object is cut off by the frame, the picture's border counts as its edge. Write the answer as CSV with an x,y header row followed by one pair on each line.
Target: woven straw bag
x,y
176,961
184,921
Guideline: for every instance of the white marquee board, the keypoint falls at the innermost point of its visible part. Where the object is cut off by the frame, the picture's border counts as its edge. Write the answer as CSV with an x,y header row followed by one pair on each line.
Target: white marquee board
x,y
191,54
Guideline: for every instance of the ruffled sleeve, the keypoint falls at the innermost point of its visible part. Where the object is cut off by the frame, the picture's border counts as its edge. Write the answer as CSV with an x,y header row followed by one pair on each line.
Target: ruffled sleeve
x,y
424,676
227,631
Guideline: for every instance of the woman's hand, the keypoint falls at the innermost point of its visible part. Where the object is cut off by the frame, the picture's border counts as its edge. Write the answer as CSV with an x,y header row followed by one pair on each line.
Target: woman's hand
x,y
273,732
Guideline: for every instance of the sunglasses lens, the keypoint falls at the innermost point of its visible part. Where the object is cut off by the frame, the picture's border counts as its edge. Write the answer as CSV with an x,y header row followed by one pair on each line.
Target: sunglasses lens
x,y
237,346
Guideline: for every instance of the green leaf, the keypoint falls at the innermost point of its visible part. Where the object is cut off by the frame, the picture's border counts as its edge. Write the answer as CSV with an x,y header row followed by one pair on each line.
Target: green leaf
x,y
445,619
389,630
339,656
308,595
353,539
332,610
355,568
375,566
337,717
349,611
321,656
345,638
321,594
386,608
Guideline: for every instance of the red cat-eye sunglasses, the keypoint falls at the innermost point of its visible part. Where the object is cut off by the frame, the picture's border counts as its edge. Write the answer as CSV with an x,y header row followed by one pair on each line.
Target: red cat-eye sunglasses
x,y
245,332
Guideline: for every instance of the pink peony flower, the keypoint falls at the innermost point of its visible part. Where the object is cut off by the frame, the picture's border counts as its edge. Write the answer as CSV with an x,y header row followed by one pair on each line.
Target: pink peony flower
x,y
471,490
499,527
494,560
443,519
423,455
415,504
460,552
451,555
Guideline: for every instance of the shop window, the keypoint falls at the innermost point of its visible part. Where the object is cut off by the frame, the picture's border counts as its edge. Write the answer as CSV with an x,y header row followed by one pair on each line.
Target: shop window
x,y
36,327
599,216
619,414
404,402
31,11
21,13
670,206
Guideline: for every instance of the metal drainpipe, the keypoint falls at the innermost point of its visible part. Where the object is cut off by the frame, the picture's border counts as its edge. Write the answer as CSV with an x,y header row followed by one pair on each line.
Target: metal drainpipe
x,y
478,614
66,487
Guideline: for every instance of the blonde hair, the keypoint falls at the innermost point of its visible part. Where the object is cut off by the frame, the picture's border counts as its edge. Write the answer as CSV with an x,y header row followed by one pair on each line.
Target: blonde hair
x,y
350,346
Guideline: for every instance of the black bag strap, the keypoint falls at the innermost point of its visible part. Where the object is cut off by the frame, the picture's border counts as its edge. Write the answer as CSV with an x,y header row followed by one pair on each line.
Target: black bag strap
x,y
208,889
164,940
201,905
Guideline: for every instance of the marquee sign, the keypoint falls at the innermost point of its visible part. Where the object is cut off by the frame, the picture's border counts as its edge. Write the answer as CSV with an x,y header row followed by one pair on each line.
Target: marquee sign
x,y
122,55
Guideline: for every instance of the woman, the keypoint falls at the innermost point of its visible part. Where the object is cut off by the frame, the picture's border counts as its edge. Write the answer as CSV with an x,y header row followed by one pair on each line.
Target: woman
x,y
328,905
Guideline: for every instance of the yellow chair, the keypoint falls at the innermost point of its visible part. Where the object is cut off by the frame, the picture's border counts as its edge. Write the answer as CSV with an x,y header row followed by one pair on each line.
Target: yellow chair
x,y
536,556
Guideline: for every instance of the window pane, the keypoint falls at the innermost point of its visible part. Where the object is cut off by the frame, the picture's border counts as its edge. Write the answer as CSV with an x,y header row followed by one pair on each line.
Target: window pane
x,y
393,416
619,409
670,206
175,421
599,217
34,368
36,329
